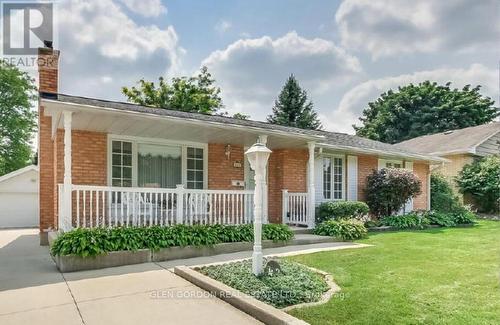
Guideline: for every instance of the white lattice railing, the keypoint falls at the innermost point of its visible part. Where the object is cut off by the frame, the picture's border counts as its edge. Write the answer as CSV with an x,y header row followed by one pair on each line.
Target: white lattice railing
x,y
295,208
103,206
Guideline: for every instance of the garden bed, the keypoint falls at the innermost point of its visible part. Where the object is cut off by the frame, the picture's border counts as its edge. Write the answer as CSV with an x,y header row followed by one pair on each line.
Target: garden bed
x,y
295,284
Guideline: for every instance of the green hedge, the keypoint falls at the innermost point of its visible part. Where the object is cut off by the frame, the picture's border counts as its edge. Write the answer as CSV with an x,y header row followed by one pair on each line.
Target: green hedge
x,y
341,210
347,229
420,220
90,242
406,221
297,284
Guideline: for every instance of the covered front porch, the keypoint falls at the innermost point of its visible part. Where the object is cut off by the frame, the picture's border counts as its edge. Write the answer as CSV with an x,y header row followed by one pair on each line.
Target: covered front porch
x,y
117,167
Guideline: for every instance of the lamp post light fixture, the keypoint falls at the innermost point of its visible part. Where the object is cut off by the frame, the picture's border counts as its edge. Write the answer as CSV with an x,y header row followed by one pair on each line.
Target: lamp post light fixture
x,y
257,155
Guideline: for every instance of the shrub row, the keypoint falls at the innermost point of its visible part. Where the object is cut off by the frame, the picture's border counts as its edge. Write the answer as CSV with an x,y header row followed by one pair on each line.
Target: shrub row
x,y
346,229
90,242
341,210
419,220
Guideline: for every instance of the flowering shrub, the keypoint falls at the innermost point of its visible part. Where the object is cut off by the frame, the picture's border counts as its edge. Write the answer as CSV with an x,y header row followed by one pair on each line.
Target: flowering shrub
x,y
389,189
341,210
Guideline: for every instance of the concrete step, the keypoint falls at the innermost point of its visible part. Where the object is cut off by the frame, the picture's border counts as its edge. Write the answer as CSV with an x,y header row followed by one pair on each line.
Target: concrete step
x,y
307,239
301,230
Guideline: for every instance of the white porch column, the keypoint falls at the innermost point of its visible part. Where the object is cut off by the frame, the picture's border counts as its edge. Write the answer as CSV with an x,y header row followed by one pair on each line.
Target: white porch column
x,y
265,218
311,206
67,222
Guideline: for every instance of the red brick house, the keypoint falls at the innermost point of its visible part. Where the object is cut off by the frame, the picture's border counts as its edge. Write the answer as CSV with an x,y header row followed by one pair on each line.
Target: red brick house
x,y
105,163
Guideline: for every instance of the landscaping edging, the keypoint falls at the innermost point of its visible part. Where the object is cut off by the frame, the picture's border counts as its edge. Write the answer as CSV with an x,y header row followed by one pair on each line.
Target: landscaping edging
x,y
72,263
248,304
390,228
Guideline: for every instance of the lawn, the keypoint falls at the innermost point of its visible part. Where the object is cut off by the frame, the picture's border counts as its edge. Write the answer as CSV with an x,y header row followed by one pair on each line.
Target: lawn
x,y
438,276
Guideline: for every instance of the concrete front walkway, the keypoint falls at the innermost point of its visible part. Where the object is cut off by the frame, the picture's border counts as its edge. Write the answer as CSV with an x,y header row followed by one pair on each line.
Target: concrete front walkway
x,y
32,291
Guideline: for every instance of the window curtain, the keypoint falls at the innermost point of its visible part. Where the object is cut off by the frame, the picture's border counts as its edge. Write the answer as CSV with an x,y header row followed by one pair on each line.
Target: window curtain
x,y
159,166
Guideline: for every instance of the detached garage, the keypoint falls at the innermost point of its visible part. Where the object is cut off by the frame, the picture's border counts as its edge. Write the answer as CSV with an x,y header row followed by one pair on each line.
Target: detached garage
x,y
19,198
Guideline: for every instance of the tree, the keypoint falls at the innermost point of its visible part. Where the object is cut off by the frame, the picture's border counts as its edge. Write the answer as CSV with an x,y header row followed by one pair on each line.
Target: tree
x,y
388,189
17,118
426,108
443,198
188,94
481,179
292,108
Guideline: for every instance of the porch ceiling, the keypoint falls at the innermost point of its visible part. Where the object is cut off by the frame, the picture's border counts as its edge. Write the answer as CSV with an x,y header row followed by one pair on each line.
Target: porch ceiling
x,y
145,125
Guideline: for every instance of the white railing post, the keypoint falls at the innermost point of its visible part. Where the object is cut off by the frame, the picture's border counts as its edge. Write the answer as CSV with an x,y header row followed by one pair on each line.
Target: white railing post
x,y
67,215
311,204
284,207
180,204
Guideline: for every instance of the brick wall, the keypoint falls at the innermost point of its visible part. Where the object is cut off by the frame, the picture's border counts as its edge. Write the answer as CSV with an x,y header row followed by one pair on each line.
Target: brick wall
x,y
422,172
221,170
366,165
287,170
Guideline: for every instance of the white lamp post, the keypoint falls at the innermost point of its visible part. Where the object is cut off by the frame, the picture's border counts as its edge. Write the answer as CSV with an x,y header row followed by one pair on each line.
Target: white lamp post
x,y
257,155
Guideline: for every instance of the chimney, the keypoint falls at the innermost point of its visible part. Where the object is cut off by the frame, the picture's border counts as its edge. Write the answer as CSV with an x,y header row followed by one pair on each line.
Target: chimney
x,y
48,68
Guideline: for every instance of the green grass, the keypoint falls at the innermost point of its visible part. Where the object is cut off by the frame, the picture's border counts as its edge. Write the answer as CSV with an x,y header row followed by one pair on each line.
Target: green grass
x,y
437,276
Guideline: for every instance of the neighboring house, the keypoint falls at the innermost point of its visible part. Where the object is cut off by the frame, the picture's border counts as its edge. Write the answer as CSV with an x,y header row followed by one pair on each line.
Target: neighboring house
x,y
105,163
460,147
19,198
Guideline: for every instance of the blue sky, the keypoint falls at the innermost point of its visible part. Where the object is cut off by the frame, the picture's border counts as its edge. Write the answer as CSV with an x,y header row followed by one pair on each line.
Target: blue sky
x,y
344,53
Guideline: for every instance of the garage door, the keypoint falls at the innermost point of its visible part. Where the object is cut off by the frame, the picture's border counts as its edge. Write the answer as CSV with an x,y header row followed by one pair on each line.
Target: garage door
x,y
19,198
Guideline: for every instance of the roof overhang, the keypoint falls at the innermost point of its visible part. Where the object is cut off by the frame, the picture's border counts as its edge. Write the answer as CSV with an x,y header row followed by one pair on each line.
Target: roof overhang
x,y
149,125
385,154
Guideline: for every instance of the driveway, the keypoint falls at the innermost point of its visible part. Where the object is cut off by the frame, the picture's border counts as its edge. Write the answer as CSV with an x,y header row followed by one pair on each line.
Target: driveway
x,y
32,290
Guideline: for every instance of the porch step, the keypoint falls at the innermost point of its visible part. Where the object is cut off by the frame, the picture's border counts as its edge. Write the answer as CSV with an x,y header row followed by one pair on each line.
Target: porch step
x,y
301,230
307,239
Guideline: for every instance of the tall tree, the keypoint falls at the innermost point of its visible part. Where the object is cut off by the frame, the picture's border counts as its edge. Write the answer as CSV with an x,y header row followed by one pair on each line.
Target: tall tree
x,y
292,108
17,118
188,94
426,108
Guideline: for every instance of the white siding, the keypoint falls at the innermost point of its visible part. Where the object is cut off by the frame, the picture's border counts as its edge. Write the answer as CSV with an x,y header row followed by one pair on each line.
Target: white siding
x,y
352,178
490,146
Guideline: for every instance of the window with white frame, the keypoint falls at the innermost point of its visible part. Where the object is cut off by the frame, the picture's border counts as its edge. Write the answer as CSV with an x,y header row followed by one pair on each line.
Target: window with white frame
x,y
144,163
333,178
195,168
121,164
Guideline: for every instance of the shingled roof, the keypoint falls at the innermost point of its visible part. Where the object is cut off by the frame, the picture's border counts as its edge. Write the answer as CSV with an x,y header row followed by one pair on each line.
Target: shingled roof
x,y
333,139
453,141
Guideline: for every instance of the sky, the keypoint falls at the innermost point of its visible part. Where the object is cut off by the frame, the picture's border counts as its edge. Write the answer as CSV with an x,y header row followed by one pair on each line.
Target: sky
x,y
344,53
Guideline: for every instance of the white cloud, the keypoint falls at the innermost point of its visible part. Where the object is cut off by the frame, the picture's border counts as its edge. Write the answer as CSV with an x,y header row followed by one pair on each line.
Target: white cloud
x,y
251,72
223,26
98,39
390,27
146,8
355,100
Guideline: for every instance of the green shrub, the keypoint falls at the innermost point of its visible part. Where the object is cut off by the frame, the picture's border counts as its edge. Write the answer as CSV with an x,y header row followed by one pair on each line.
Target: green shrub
x,y
440,218
389,189
90,242
481,179
341,210
406,221
297,284
465,216
443,199
347,229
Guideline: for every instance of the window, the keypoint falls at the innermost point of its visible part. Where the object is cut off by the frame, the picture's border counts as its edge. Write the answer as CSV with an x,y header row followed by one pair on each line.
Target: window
x,y
121,160
156,164
392,163
195,168
333,178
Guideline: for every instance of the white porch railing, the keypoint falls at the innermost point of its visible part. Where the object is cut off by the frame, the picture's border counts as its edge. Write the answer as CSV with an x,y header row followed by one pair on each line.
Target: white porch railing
x,y
103,206
295,208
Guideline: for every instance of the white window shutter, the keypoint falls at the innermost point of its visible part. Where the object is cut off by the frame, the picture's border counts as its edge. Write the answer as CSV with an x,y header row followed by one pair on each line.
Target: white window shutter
x,y
352,178
318,179
409,204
